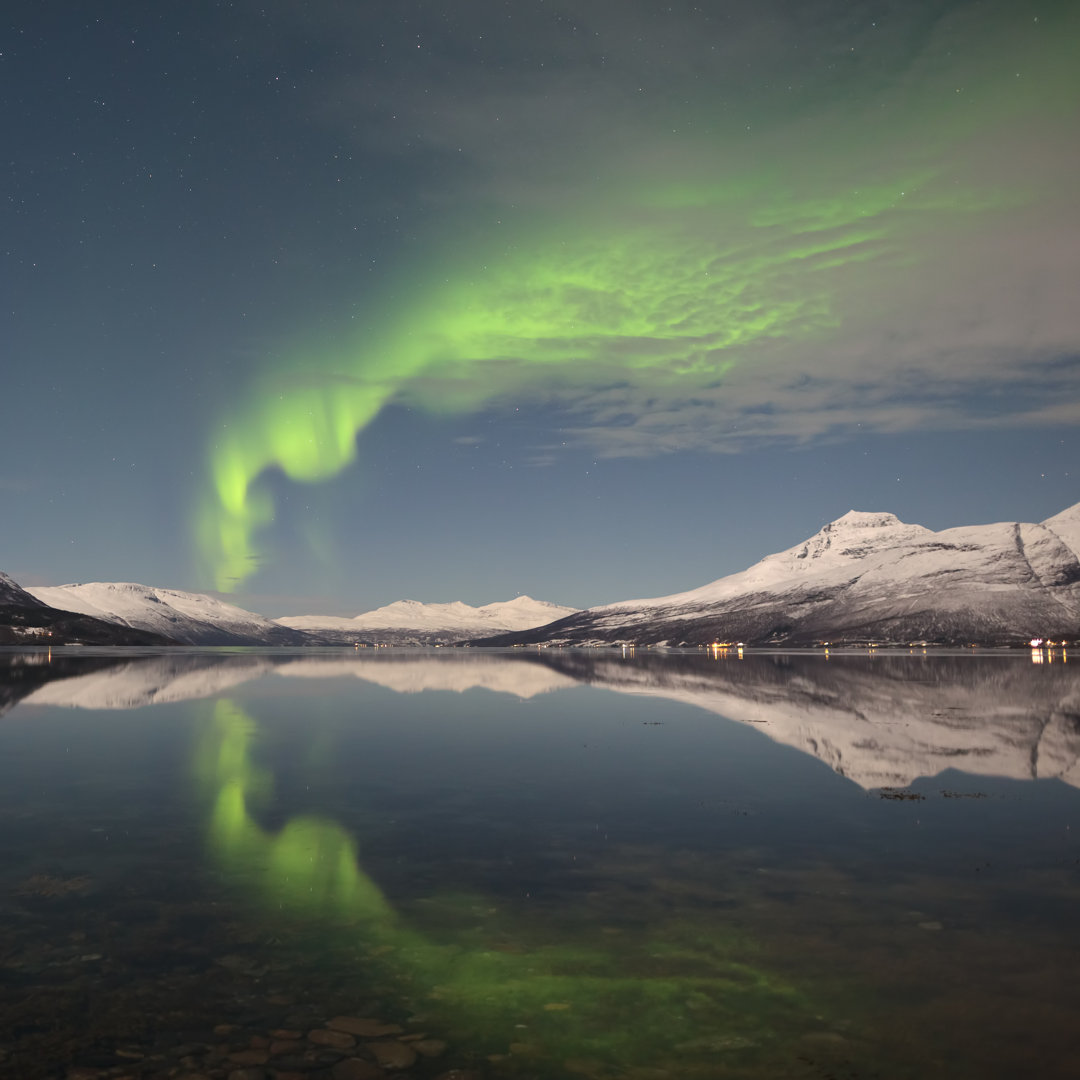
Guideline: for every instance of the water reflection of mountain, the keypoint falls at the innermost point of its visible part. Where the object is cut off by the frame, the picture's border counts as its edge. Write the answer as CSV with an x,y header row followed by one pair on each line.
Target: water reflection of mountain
x,y
130,682
455,672
23,672
880,721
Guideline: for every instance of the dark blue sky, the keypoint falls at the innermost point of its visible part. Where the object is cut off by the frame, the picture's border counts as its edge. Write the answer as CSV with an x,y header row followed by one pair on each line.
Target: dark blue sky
x,y
337,304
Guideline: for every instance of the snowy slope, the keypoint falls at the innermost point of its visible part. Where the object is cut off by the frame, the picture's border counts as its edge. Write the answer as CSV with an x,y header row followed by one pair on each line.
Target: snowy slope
x,y
186,618
868,576
27,620
432,622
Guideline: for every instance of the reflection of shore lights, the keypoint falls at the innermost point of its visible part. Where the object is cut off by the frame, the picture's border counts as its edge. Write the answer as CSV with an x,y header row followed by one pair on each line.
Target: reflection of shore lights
x,y
1037,656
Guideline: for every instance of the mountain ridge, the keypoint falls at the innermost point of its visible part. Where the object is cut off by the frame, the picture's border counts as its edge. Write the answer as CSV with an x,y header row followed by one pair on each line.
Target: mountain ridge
x,y
431,623
866,576
26,620
183,617
155,615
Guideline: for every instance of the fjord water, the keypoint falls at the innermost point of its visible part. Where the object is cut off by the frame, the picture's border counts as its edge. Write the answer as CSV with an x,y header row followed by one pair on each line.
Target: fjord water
x,y
557,863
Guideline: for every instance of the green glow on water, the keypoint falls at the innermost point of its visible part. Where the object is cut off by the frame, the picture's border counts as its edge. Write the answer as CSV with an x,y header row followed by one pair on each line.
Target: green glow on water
x,y
310,864
687,989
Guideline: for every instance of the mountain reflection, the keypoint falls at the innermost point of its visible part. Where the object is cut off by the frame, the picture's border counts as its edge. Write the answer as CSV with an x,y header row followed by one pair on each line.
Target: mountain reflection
x,y
880,720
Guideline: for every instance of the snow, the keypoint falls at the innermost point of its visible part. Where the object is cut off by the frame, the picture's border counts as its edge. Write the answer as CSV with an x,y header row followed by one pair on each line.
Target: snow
x,y
861,570
1066,527
521,613
181,615
880,566
194,618
840,549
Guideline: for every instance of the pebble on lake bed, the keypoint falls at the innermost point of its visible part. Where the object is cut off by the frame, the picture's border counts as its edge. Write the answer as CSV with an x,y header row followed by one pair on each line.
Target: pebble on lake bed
x,y
393,1055
339,1040
429,1048
285,1046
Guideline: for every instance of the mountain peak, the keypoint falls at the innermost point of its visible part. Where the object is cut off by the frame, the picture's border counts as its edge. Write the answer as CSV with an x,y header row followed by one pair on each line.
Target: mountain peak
x,y
865,519
11,592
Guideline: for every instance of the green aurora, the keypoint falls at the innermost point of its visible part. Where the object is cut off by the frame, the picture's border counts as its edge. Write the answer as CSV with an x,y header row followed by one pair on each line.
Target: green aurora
x,y
672,304
668,283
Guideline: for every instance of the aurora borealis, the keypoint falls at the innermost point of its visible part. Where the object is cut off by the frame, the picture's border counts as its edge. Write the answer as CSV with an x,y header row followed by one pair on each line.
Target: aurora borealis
x,y
671,305
535,250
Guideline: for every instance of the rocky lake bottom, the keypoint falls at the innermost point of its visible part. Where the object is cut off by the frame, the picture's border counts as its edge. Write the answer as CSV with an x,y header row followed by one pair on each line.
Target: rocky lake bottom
x,y
265,866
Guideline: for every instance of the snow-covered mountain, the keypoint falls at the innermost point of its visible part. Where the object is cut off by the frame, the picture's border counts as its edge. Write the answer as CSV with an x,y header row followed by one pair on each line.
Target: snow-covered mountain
x,y
183,617
188,618
411,622
27,620
866,577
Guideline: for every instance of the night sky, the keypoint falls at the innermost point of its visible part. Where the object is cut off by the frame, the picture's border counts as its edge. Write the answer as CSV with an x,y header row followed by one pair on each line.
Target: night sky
x,y
330,304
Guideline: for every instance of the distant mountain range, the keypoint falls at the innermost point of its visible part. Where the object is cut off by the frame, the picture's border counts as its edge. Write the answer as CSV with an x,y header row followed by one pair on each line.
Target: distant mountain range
x,y
123,613
409,622
864,578
880,722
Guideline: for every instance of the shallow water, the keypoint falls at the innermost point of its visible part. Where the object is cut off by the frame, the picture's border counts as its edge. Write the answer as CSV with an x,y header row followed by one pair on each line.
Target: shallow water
x,y
546,863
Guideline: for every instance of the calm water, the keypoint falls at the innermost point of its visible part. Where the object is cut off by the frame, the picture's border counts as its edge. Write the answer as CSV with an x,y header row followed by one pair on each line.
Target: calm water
x,y
538,864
